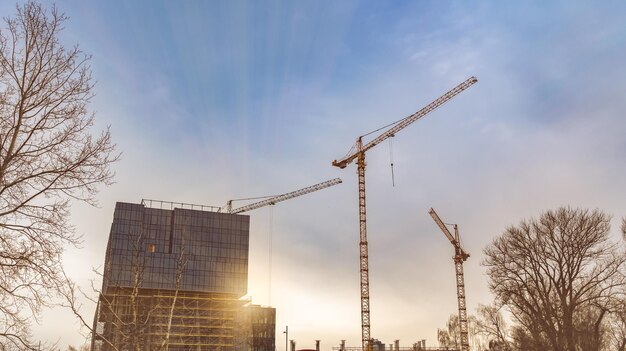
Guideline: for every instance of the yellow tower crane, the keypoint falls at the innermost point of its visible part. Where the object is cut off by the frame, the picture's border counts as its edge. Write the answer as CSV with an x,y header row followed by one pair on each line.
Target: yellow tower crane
x,y
358,153
460,256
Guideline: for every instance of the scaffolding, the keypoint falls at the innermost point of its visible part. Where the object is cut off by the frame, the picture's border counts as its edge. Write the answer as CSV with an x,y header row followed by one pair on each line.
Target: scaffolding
x,y
179,321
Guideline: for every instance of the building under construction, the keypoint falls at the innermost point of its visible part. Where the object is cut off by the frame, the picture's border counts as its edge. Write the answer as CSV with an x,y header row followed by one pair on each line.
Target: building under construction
x,y
174,278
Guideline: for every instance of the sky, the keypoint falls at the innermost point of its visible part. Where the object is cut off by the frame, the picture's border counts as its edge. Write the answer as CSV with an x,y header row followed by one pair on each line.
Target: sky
x,y
215,100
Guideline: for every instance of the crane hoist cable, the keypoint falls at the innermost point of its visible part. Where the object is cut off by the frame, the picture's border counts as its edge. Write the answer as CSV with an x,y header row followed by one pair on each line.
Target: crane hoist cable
x,y
393,181
270,201
271,234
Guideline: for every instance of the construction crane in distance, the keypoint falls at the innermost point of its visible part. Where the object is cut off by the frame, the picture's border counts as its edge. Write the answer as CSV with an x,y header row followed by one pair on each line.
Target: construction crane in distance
x,y
460,256
358,152
272,200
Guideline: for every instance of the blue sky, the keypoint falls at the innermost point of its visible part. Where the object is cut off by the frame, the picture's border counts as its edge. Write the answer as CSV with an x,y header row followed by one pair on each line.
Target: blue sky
x,y
213,100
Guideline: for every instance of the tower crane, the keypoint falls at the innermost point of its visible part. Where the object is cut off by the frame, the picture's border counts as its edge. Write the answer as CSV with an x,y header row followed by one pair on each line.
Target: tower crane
x,y
278,198
272,200
460,256
358,153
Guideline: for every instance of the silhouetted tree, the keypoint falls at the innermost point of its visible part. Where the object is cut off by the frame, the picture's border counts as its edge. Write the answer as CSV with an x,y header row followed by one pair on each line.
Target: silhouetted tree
x,y
491,324
48,156
617,328
590,327
553,270
450,336
522,339
129,313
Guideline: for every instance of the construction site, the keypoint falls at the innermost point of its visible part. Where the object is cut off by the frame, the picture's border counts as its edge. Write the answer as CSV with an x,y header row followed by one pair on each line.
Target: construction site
x,y
176,275
312,175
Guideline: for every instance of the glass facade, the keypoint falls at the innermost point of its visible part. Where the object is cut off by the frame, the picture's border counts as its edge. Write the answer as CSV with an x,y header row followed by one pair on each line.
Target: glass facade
x,y
208,251
173,279
257,329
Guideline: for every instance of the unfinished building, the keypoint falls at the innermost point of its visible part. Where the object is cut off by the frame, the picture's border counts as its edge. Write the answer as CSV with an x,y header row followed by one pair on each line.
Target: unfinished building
x,y
174,277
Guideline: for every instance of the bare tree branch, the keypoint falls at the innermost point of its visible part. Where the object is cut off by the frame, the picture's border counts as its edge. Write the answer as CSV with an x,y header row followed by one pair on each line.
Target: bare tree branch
x,y
48,156
558,275
132,327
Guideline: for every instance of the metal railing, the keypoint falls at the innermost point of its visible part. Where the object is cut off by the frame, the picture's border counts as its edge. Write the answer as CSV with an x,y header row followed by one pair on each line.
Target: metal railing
x,y
169,205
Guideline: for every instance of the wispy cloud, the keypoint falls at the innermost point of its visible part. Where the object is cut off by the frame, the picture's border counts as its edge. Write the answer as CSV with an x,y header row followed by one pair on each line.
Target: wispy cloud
x,y
210,101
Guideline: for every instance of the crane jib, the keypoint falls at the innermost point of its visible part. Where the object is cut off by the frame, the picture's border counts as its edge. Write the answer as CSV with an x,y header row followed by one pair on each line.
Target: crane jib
x,y
459,258
407,121
287,196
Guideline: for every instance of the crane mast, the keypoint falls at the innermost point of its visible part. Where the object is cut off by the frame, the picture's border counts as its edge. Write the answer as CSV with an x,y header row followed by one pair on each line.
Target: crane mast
x,y
366,337
359,155
460,256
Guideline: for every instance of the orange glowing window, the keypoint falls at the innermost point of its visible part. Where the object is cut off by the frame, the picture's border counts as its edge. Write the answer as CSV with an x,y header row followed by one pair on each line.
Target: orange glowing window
x,y
151,248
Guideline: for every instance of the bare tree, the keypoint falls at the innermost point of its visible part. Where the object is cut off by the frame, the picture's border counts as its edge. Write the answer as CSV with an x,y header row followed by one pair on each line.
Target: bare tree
x,y
48,156
548,271
617,327
526,340
129,313
491,324
450,336
181,262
